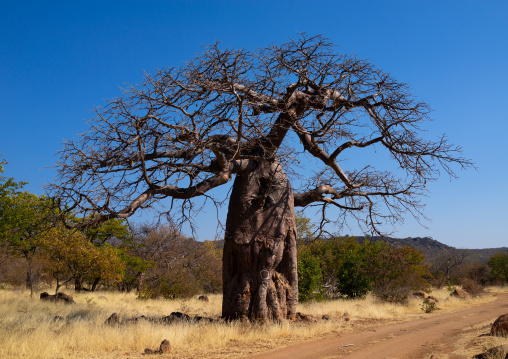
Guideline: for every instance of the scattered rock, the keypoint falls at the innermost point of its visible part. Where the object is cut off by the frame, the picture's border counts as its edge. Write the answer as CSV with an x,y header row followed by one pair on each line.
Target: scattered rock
x,y
59,297
203,298
130,321
326,317
176,317
346,317
431,297
500,351
305,317
198,318
500,326
164,348
113,320
431,300
57,318
181,315
65,297
459,293
421,294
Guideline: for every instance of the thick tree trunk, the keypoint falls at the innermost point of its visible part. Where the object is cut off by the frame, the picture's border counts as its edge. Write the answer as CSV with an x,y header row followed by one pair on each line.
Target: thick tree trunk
x,y
259,261
95,284
78,283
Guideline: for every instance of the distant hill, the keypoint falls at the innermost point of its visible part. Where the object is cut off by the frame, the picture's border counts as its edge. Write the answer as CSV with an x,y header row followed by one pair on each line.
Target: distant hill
x,y
432,248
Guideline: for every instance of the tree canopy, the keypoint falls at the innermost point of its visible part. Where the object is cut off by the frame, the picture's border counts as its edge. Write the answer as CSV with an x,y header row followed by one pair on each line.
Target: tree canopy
x,y
186,130
280,120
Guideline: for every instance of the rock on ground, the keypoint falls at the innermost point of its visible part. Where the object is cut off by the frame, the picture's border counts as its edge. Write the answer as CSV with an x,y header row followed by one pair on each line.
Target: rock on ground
x,y
501,351
164,348
113,320
59,297
500,326
421,294
459,293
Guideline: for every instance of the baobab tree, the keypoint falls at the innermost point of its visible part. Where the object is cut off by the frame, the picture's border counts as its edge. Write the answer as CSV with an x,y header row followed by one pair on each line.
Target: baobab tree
x,y
268,119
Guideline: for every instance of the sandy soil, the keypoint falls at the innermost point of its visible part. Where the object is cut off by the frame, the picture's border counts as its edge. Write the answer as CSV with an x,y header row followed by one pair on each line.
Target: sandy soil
x,y
460,334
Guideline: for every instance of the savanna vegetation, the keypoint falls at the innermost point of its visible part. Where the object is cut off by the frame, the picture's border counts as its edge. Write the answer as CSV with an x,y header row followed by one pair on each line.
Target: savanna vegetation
x,y
250,117
154,270
158,261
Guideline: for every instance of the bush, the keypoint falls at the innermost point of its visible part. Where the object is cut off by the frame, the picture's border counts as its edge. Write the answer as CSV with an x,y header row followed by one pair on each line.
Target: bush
x,y
352,276
396,271
353,269
472,287
182,267
428,306
309,276
169,288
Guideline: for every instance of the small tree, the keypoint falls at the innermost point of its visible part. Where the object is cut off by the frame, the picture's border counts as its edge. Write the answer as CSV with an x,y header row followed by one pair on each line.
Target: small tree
x,y
114,231
310,276
351,267
499,265
71,255
256,116
24,218
181,266
449,262
396,271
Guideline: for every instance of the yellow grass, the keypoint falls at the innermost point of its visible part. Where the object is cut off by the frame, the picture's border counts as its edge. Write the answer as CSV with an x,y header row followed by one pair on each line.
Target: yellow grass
x,y
28,328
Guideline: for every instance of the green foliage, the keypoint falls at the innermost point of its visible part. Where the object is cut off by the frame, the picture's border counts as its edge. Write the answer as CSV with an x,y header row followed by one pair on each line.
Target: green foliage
x,y
24,218
29,229
429,306
106,231
396,271
499,265
309,275
304,227
71,255
352,269
134,268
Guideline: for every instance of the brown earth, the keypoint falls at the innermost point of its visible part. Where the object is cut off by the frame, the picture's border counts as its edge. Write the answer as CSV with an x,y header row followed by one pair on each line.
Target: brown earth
x,y
460,334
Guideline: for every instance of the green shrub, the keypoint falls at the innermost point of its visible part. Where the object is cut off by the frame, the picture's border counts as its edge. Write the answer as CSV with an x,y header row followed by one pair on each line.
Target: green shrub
x,y
428,306
309,276
352,274
396,271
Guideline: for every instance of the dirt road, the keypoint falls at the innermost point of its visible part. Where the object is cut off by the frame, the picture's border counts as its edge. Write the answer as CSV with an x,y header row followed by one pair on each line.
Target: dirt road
x,y
442,335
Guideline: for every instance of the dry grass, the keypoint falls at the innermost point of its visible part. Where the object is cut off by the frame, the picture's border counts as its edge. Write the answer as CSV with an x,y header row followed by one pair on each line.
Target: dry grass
x,y
475,340
28,328
497,289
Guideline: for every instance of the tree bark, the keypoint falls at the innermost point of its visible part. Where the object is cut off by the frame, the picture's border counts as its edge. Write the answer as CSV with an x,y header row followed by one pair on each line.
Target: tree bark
x,y
78,283
259,261
95,284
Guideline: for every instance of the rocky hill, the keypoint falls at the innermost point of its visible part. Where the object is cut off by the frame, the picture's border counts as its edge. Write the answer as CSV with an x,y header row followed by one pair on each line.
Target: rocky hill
x,y
433,249
430,247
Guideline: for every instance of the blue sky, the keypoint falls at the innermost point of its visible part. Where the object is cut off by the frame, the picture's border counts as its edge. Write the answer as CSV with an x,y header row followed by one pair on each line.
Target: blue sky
x,y
59,59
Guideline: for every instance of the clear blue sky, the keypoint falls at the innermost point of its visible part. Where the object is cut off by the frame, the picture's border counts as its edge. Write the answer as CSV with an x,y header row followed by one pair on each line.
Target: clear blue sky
x,y
59,59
